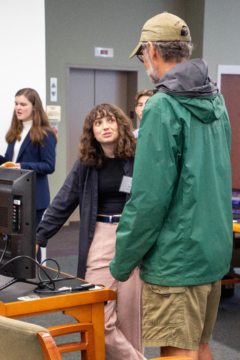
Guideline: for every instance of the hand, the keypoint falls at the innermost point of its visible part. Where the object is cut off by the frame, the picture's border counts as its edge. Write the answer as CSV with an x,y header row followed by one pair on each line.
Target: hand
x,y
132,272
18,165
37,247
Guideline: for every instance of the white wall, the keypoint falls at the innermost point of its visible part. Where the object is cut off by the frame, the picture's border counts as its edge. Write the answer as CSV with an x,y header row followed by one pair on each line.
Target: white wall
x,y
221,34
22,60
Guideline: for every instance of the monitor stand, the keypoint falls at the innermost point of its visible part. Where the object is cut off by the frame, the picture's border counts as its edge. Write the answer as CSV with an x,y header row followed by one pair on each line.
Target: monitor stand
x,y
13,281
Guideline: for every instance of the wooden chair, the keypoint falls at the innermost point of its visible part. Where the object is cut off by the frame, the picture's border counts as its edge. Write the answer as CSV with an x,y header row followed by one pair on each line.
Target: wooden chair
x,y
86,345
21,340
52,351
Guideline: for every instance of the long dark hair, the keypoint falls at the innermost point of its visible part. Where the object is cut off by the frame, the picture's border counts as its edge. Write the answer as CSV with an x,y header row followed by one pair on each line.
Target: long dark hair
x,y
40,120
90,150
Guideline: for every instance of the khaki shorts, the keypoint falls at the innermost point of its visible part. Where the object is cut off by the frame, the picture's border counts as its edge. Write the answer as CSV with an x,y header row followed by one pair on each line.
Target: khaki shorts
x,y
181,316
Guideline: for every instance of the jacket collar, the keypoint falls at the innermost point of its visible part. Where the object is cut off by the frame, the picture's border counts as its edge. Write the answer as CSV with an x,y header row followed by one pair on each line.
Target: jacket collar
x,y
189,78
25,143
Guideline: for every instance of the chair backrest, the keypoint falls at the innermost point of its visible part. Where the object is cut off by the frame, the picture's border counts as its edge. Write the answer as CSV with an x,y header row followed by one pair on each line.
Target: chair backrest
x,y
86,345
19,340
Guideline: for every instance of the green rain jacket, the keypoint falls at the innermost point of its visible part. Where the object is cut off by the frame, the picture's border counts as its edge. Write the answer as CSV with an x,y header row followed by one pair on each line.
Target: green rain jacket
x,y
178,223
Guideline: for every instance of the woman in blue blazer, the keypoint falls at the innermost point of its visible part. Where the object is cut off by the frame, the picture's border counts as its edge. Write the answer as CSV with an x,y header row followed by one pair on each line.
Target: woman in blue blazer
x,y
31,144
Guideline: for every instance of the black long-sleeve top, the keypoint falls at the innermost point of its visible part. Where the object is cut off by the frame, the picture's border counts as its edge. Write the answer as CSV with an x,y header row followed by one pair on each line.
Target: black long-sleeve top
x,y
80,188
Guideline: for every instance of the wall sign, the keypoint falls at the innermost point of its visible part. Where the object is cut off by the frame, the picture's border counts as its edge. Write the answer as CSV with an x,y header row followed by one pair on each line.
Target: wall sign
x,y
53,89
103,52
54,113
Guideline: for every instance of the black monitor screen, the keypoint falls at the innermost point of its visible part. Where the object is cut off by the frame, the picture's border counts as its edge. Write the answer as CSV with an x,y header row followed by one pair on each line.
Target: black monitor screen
x,y
17,222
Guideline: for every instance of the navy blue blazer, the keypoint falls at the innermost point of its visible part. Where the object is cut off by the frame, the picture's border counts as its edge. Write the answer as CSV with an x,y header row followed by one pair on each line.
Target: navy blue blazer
x,y
39,158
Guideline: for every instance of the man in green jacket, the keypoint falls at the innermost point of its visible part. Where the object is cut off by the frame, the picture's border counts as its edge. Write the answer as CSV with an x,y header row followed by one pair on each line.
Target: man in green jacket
x,y
177,226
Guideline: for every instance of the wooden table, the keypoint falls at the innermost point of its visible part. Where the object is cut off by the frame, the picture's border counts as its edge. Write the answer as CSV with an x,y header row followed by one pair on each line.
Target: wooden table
x,y
85,307
236,227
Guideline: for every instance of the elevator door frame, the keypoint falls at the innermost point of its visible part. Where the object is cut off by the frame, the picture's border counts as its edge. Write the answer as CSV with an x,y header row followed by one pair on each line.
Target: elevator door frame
x,y
103,68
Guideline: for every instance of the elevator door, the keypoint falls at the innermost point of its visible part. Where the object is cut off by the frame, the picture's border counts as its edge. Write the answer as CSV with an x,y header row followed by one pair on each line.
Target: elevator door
x,y
89,87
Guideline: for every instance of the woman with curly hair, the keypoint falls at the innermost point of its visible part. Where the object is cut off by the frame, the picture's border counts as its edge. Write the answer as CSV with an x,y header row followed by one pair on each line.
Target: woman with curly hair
x,y
106,155
31,145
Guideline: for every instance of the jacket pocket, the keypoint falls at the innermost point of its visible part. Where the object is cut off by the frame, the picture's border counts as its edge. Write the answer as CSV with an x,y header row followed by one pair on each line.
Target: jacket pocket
x,y
163,305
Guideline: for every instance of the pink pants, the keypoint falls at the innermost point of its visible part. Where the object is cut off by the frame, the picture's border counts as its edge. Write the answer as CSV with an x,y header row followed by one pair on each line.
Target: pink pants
x,y
123,317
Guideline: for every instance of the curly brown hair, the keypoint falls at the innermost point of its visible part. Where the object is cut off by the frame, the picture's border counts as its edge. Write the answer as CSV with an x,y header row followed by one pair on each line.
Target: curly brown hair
x,y
40,120
90,150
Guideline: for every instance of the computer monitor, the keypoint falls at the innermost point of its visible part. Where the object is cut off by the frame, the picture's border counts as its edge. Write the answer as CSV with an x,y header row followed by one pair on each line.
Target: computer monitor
x,y
17,223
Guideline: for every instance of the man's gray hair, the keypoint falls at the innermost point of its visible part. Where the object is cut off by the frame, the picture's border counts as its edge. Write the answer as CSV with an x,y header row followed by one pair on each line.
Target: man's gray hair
x,y
171,50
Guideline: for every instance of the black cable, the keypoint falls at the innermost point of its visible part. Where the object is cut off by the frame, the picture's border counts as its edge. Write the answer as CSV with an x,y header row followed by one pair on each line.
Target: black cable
x,y
50,283
43,283
4,251
39,265
58,268
83,287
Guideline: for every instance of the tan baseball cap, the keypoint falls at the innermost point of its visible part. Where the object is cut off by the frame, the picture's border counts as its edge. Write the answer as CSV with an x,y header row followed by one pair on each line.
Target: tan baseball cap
x,y
162,27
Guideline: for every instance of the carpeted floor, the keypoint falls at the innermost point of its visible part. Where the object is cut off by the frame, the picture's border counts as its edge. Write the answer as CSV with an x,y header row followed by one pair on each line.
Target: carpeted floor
x,y
226,336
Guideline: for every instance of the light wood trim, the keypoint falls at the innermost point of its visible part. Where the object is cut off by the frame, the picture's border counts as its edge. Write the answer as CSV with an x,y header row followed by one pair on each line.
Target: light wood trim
x,y
49,347
230,281
58,303
98,321
236,227
86,344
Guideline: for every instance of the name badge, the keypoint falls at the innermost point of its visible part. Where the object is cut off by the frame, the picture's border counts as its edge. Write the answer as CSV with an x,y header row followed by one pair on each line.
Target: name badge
x,y
126,184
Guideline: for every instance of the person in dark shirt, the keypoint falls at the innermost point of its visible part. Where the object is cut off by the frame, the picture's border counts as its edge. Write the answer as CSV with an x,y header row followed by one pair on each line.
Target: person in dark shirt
x,y
100,183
